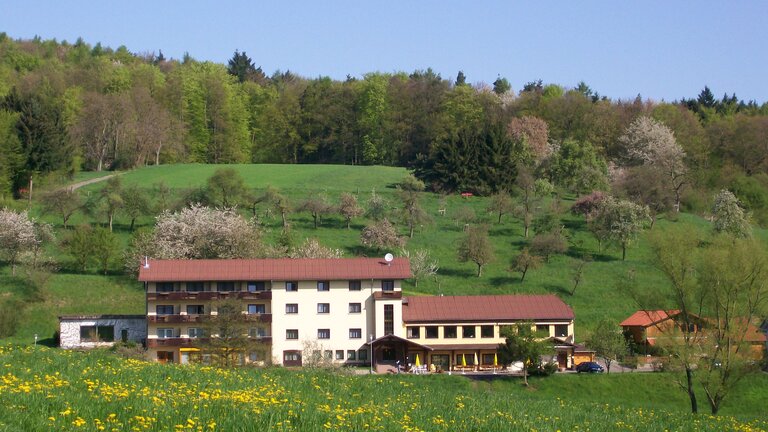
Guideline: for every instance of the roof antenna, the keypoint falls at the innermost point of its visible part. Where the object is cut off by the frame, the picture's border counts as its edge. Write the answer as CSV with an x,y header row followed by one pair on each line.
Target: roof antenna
x,y
388,258
146,262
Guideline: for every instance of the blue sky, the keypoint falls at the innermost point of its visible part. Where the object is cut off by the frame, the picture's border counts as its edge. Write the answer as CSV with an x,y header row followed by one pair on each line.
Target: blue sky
x,y
659,49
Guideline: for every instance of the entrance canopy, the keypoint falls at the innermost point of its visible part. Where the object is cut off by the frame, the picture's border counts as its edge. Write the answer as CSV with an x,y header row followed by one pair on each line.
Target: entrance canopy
x,y
397,339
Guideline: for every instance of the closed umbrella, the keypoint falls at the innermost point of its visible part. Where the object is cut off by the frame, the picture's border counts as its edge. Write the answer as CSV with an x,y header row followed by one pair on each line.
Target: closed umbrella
x,y
418,363
495,362
463,360
476,362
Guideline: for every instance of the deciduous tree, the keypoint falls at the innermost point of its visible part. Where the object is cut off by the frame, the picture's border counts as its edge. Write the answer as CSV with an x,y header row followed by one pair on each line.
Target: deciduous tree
x,y
381,235
18,234
622,220
608,342
525,261
348,207
476,247
729,217
62,202
520,344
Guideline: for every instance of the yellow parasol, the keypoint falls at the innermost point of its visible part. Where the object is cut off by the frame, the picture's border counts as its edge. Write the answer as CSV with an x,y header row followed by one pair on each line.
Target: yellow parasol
x,y
418,363
495,360
463,360
476,362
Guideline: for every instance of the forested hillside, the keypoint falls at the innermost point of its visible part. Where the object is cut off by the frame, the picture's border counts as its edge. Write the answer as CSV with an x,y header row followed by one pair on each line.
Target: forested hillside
x,y
66,107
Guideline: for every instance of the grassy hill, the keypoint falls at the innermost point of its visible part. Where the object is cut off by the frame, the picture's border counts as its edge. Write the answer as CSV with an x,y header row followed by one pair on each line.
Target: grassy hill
x,y
598,296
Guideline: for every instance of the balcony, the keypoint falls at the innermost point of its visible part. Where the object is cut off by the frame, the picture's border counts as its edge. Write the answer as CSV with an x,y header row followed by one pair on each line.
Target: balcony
x,y
387,295
180,342
209,295
175,319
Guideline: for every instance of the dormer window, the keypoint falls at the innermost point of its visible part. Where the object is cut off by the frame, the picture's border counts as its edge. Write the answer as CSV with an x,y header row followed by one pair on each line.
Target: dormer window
x,y
387,285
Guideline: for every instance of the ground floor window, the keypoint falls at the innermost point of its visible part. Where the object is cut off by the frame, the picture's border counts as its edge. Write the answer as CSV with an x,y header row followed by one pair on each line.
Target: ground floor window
x,y
487,359
97,334
292,358
351,354
165,356
339,354
441,360
362,354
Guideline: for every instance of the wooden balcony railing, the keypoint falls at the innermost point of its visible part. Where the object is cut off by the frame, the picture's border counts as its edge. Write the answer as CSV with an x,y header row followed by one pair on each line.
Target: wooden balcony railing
x,y
174,319
210,295
180,342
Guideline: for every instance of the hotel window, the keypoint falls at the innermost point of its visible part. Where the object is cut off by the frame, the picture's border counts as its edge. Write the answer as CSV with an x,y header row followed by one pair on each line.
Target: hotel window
x,y
542,330
97,333
413,332
292,308
351,354
291,356
328,354
323,308
323,333
323,285
164,309
164,287
225,286
355,308
355,285
561,330
292,334
257,286
487,359
257,332
431,332
449,332
195,309
257,308
339,354
195,332
355,333
468,332
389,319
292,286
387,285
164,333
486,331
195,287
362,354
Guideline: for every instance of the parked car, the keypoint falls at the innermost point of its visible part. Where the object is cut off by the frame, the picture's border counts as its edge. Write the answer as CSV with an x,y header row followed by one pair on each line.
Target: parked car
x,y
589,367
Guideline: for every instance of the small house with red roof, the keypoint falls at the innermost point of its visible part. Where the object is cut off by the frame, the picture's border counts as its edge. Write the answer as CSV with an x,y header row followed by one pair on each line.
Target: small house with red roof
x,y
647,327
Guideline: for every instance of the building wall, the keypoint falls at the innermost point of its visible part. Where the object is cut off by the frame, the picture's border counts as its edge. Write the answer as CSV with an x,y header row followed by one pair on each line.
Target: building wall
x,y
69,331
306,322
478,339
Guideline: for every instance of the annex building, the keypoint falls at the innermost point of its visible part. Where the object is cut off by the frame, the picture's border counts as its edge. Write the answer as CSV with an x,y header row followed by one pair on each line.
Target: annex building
x,y
344,310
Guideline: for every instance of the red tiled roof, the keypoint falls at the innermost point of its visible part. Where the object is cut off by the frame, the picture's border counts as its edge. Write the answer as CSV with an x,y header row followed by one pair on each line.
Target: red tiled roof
x,y
485,308
274,269
647,318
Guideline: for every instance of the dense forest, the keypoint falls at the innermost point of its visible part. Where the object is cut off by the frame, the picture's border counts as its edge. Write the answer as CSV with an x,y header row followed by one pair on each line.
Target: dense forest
x,y
66,107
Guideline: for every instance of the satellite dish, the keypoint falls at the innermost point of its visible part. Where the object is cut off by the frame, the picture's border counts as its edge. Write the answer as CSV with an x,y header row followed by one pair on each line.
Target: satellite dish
x,y
388,258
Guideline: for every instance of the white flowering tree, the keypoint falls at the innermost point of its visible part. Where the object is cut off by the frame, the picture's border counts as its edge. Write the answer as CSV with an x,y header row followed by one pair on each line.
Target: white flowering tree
x,y
651,143
20,234
729,217
197,232
622,220
311,248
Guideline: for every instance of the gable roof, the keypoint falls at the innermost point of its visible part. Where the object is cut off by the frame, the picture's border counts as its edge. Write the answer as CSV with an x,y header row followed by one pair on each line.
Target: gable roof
x,y
485,308
647,318
274,269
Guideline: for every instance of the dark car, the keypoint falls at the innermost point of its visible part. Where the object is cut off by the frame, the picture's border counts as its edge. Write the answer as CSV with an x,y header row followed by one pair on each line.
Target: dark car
x,y
589,367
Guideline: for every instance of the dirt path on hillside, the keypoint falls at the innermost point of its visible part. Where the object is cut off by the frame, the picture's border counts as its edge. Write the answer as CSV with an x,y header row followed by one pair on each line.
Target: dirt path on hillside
x,y
91,181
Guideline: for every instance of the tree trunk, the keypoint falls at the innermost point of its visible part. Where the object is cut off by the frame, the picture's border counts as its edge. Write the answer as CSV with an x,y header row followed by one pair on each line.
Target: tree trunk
x,y
133,221
623,251
499,217
348,220
410,230
479,270
691,393
111,216
525,374
525,270
314,218
285,222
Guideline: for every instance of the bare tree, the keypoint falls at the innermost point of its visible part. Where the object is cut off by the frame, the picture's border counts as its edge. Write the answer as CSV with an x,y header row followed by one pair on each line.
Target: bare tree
x,y
381,235
524,262
62,202
501,204
476,247
348,207
311,248
422,264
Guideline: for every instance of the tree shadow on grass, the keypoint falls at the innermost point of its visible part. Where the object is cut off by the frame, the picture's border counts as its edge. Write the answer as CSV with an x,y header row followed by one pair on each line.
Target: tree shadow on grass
x,y
454,272
505,280
557,289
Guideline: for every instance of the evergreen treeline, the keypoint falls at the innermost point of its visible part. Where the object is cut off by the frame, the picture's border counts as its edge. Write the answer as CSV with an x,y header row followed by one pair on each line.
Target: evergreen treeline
x,y
66,107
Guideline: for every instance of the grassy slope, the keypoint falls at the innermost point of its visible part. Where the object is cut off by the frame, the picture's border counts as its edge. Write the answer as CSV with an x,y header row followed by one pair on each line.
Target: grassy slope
x,y
597,297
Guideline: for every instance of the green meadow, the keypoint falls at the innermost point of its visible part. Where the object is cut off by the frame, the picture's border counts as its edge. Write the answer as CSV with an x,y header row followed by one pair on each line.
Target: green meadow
x,y
44,389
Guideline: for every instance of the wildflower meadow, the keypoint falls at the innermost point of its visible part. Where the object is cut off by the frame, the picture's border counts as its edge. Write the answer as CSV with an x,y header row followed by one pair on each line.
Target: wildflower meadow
x,y
43,389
